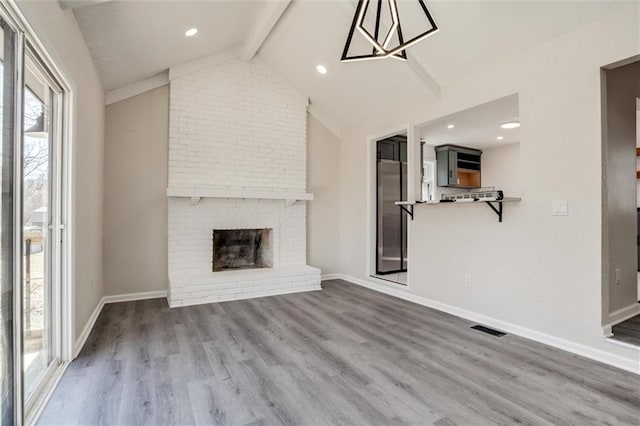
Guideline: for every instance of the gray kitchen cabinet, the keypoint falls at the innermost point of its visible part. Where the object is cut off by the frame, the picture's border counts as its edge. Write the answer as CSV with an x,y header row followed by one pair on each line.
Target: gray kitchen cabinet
x,y
458,166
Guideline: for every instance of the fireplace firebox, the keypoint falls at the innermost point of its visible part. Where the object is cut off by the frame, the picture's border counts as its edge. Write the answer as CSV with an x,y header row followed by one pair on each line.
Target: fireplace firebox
x,y
242,249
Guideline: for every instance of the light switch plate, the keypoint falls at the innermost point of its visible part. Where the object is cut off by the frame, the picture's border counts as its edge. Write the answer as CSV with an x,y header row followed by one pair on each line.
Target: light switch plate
x,y
559,208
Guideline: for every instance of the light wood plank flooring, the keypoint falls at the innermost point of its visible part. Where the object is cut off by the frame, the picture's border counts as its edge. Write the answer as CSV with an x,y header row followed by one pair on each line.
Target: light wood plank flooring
x,y
345,355
628,331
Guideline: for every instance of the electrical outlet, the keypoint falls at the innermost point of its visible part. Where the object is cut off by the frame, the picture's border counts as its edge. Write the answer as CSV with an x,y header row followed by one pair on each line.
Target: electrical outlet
x,y
559,208
467,280
618,276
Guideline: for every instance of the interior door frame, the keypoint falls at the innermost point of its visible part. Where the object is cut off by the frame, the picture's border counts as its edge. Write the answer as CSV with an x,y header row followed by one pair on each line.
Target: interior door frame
x,y
403,219
371,161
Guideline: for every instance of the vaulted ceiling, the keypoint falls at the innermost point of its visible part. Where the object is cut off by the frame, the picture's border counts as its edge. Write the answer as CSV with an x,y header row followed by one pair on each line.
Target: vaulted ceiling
x,y
133,40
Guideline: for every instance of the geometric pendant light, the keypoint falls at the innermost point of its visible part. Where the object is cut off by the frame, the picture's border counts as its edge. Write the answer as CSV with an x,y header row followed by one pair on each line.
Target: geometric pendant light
x,y
381,43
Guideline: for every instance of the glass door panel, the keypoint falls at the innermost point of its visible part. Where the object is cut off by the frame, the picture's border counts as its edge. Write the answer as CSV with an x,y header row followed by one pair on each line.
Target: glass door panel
x,y
8,379
37,207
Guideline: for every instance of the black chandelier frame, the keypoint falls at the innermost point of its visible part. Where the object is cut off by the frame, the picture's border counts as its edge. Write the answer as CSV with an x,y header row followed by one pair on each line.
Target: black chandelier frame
x,y
380,51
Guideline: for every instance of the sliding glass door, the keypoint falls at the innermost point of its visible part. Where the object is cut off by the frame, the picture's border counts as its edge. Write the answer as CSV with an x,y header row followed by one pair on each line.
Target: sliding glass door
x,y
32,226
39,205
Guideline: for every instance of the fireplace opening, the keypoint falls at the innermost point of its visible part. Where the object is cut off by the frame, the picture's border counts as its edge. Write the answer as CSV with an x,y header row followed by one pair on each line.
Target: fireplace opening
x,y
242,249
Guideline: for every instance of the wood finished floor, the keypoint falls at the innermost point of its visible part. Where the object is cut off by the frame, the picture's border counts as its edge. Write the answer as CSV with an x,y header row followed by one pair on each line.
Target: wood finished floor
x,y
345,355
628,331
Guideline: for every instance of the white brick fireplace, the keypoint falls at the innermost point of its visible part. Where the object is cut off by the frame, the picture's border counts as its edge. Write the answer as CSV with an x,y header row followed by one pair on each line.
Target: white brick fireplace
x,y
237,160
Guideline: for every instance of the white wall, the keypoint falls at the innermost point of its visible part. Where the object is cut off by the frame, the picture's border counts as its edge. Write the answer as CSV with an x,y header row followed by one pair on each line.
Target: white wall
x,y
536,271
234,124
323,180
59,32
501,169
135,201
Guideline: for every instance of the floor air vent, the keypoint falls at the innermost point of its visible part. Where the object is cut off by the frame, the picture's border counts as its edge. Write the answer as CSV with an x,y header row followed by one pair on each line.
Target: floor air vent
x,y
487,330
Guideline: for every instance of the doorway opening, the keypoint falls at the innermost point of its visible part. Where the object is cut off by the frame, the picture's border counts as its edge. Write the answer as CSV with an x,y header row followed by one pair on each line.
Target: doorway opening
x,y
628,331
391,222
621,214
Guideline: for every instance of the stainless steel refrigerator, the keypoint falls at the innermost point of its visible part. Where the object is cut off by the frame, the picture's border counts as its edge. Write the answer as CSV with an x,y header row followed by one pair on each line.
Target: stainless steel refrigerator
x,y
391,177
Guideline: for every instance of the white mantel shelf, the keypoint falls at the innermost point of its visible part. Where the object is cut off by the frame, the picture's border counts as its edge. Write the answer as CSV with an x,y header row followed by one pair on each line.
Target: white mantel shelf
x,y
196,194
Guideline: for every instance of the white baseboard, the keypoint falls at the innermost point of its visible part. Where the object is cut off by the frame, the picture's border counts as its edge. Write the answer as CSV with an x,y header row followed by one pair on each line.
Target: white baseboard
x,y
135,296
567,345
82,339
327,277
623,344
621,315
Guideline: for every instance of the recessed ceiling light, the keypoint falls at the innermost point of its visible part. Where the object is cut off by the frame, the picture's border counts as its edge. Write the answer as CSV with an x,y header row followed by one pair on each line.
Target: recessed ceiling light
x,y
191,32
321,69
499,138
510,125
450,126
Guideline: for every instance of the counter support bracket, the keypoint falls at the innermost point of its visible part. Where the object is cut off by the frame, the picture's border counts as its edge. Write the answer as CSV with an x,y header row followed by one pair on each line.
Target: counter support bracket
x,y
497,210
409,210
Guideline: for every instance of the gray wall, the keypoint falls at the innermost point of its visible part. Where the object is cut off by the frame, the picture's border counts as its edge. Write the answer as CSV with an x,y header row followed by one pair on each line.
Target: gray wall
x,y
135,202
620,90
59,32
323,180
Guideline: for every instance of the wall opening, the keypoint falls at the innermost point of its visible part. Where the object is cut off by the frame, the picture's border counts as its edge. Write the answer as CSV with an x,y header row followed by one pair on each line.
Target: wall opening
x,y
391,185
620,93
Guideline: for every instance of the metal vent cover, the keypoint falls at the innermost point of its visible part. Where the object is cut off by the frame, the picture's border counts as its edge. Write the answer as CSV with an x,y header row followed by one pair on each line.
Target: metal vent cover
x,y
488,330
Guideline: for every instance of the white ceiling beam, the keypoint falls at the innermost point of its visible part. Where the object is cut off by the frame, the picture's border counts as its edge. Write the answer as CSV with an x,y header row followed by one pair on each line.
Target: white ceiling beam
x,y
70,4
134,89
413,62
423,75
263,26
